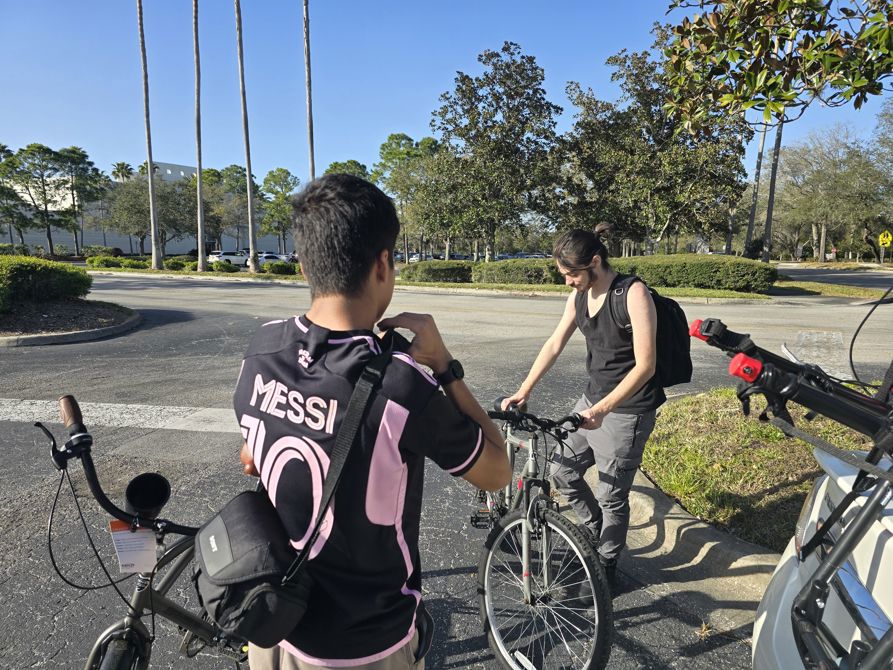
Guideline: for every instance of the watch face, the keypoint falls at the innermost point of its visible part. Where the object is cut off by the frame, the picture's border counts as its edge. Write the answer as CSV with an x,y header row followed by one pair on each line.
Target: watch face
x,y
456,369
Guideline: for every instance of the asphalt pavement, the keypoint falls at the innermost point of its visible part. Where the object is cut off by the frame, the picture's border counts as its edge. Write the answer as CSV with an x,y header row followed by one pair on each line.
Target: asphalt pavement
x,y
159,396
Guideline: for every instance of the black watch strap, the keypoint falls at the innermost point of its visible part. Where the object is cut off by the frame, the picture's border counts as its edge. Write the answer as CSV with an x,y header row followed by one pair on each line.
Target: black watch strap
x,y
453,372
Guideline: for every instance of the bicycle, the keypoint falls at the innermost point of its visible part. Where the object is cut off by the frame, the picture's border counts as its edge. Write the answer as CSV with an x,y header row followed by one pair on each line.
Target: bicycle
x,y
544,598
127,644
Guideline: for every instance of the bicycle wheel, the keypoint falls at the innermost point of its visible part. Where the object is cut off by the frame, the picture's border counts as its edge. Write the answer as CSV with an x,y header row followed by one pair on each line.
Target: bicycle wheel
x,y
119,655
568,622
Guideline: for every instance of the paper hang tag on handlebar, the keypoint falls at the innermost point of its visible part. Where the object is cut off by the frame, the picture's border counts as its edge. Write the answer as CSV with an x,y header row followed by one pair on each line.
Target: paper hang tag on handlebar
x,y
135,549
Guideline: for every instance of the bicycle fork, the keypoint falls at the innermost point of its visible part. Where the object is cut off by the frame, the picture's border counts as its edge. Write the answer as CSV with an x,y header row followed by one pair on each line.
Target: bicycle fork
x,y
529,477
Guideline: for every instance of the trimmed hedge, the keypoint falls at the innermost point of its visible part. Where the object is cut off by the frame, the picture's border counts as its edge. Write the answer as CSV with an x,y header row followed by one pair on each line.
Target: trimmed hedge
x,y
98,250
7,249
135,264
518,271
458,272
174,264
223,266
103,261
700,271
280,268
27,279
705,271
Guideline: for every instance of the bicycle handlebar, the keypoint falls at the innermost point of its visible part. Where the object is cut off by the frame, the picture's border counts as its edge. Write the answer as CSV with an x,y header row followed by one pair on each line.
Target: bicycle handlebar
x,y
517,418
78,446
804,384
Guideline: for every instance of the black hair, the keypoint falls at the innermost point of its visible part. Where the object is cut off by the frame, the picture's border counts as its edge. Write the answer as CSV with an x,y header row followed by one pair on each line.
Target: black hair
x,y
342,224
575,248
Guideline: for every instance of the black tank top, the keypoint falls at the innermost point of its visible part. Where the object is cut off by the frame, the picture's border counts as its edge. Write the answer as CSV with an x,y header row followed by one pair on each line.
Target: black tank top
x,y
610,357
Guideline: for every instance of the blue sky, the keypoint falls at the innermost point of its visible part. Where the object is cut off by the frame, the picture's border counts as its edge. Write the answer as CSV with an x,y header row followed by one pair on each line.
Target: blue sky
x,y
71,72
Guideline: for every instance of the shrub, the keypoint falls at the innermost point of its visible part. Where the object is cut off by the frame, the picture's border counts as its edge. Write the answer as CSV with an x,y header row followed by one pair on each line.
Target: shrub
x,y
99,250
453,272
27,279
186,258
755,249
191,265
104,262
223,266
134,264
60,249
280,268
174,264
13,249
517,271
700,271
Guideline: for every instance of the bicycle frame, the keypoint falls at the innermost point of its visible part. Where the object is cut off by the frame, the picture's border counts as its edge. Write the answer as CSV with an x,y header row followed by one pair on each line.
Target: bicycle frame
x,y
154,601
530,478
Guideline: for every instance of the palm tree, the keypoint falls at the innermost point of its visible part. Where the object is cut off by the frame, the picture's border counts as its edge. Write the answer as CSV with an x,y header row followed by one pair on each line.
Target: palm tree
x,y
309,91
150,171
200,214
122,171
252,261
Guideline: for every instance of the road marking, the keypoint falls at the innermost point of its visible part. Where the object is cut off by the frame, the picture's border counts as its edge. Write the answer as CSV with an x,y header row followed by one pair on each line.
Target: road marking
x,y
120,415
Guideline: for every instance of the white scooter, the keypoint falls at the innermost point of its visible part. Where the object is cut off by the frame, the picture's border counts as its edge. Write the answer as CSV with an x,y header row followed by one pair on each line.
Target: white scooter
x,y
830,601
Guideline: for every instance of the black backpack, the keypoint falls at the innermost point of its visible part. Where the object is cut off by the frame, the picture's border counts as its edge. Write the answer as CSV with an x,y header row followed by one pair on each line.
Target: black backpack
x,y
673,340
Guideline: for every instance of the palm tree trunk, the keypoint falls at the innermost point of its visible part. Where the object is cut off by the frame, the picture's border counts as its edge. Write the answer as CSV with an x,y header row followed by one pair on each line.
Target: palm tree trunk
x,y
756,189
309,89
150,164
200,213
252,260
767,230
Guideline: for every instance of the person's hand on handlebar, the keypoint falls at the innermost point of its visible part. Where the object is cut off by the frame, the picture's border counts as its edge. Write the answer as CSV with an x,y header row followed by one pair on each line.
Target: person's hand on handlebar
x,y
517,399
592,417
427,346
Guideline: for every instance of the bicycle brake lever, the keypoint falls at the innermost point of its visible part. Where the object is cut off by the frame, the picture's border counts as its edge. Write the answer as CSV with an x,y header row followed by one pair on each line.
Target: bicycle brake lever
x,y
59,457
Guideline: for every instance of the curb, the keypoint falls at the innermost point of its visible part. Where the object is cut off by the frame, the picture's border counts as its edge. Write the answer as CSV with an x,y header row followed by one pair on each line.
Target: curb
x,y
705,571
74,336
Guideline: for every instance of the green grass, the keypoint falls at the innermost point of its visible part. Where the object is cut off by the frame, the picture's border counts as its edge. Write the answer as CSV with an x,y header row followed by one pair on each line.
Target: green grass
x,y
733,471
800,288
670,292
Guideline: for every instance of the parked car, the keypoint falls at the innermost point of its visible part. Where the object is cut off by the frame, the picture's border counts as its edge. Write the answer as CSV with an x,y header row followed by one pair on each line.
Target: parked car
x,y
265,257
233,257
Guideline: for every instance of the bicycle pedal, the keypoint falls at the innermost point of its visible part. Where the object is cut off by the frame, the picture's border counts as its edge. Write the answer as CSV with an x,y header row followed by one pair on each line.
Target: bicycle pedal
x,y
481,519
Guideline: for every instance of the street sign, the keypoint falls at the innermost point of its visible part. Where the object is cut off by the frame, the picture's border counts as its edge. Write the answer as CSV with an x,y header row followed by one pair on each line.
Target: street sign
x,y
885,238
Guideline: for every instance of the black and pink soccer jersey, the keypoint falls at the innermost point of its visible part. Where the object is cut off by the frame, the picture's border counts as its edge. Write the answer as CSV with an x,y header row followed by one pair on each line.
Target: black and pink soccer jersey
x,y
290,400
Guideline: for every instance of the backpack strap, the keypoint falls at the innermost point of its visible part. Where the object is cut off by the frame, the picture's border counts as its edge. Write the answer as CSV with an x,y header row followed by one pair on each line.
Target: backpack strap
x,y
617,301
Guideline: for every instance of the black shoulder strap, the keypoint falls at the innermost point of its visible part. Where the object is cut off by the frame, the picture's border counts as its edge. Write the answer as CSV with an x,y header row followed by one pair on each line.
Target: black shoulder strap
x,y
356,413
617,301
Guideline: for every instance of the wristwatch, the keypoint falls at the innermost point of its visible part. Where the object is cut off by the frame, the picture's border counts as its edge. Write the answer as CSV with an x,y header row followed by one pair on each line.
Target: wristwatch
x,y
453,372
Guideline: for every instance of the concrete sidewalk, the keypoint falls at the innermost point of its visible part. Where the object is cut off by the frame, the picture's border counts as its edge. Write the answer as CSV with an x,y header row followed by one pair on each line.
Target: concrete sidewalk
x,y
709,573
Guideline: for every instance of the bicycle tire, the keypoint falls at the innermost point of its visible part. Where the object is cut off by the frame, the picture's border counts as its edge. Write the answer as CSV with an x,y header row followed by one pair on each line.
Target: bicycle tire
x,y
119,655
570,624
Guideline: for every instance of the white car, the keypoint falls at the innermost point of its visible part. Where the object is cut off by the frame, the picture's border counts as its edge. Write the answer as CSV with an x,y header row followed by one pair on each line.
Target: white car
x,y
232,257
265,257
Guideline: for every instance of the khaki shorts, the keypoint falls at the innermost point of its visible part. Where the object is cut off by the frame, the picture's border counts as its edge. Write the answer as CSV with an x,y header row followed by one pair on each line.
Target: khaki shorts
x,y
279,659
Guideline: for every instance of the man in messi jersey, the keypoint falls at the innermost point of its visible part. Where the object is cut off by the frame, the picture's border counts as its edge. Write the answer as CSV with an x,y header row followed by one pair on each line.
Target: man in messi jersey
x,y
366,609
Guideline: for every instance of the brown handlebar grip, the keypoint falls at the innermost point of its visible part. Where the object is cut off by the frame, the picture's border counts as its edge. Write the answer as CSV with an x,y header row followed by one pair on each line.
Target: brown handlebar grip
x,y
70,412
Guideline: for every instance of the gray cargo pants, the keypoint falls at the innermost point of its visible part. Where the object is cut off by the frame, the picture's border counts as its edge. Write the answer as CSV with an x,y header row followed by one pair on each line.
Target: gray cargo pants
x,y
616,449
